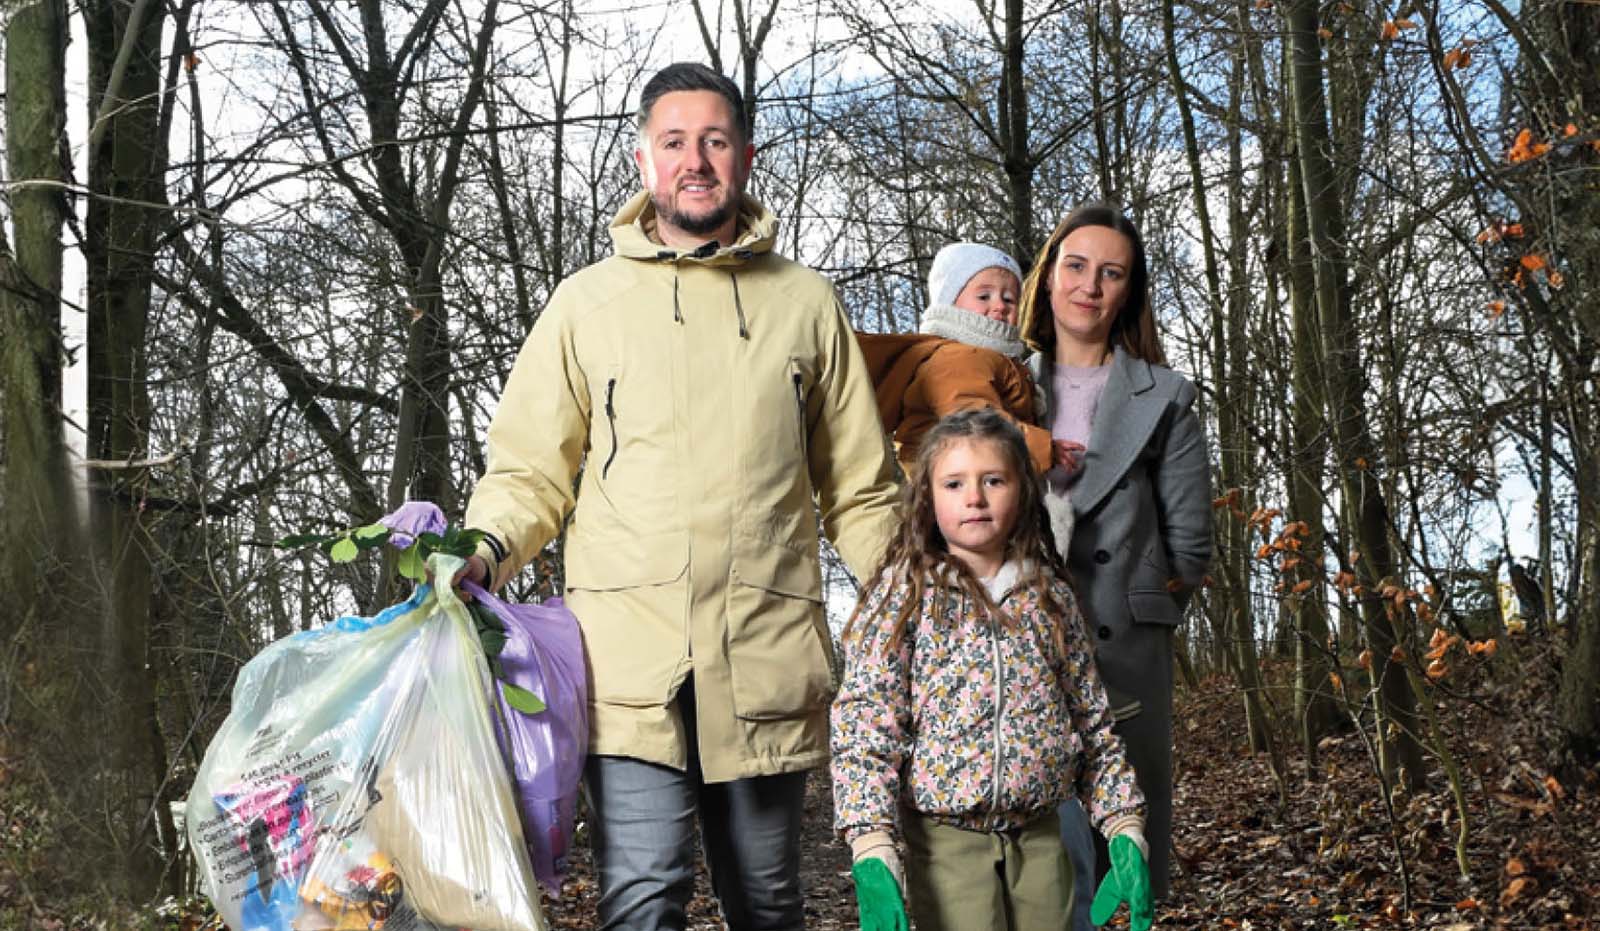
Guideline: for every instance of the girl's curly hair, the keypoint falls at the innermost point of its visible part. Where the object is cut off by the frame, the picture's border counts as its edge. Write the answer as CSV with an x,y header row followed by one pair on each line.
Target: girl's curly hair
x,y
918,556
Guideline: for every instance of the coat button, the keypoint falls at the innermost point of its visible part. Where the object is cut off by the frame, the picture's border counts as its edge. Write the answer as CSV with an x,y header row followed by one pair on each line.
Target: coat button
x,y
1102,557
1122,483
1104,632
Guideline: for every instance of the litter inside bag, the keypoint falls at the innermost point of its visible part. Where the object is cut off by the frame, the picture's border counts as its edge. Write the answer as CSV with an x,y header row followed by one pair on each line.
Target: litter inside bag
x,y
543,655
356,783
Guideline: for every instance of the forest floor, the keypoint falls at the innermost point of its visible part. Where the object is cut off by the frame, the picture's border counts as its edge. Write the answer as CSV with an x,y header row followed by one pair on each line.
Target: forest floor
x,y
1328,856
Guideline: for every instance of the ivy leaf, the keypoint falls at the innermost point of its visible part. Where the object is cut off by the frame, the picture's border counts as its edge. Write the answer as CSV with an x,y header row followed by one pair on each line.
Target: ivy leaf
x,y
411,566
344,550
522,699
491,630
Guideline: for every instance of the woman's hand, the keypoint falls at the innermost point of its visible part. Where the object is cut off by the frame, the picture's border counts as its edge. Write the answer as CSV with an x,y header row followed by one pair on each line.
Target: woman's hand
x,y
1067,456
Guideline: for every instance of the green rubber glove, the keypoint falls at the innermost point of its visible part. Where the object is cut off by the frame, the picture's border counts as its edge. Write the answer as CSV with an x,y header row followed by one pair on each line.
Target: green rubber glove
x,y
1128,881
878,896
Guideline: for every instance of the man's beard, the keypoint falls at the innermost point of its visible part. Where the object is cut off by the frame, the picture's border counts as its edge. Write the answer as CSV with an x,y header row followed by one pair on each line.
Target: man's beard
x,y
694,224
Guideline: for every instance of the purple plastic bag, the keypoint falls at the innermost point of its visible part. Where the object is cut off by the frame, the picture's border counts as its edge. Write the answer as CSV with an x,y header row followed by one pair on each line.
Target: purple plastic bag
x,y
543,654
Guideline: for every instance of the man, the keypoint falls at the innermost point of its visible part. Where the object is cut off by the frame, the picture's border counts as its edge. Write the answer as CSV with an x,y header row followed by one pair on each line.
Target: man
x,y
714,397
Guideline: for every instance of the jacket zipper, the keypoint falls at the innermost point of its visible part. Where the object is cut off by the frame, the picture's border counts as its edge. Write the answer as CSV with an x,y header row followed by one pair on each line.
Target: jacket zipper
x,y
799,402
999,713
611,418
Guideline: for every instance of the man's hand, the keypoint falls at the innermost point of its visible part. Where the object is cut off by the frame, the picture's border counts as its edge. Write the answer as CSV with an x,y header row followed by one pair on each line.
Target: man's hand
x,y
1067,456
475,570
1128,881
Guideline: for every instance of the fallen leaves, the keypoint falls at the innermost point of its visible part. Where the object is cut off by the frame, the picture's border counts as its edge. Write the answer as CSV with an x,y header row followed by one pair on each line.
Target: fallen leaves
x,y
1515,890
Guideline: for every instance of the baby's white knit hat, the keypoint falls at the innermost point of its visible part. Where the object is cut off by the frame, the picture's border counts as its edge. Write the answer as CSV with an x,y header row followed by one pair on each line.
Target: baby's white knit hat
x,y
955,265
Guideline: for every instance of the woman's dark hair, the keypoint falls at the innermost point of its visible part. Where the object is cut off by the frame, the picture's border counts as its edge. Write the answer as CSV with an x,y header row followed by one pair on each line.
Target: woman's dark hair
x,y
692,76
918,556
1134,328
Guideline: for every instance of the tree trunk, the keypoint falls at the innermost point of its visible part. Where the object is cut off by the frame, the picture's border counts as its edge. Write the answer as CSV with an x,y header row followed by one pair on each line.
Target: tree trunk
x,y
1316,709
1366,510
127,158
39,522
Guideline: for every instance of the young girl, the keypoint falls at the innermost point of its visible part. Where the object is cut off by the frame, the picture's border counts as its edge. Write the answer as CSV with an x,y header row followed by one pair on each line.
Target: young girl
x,y
971,708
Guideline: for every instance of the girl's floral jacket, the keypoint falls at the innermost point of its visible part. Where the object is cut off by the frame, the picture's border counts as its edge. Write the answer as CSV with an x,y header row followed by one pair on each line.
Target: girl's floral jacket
x,y
975,722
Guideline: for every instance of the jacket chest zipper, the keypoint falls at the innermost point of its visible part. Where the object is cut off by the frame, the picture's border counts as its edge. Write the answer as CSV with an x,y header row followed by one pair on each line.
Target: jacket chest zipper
x,y
799,404
611,418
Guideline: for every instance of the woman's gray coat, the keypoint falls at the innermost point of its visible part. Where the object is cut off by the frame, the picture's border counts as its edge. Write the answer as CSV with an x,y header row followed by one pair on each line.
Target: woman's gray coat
x,y
1141,544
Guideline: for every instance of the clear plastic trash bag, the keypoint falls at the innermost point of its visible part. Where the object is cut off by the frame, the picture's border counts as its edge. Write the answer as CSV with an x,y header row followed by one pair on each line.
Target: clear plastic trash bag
x,y
543,654
356,783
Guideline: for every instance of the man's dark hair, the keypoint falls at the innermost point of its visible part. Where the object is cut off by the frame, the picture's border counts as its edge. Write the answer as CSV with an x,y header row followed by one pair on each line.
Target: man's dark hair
x,y
692,76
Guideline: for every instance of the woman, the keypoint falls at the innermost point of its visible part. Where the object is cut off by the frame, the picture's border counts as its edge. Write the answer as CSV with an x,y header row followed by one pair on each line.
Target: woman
x,y
1137,484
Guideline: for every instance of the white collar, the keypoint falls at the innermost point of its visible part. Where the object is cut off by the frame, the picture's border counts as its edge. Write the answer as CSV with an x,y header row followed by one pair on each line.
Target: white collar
x,y
1004,581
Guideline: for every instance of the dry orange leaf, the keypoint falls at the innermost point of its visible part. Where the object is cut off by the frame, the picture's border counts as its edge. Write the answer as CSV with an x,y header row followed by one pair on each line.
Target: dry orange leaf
x,y
1404,24
1289,564
1515,891
1484,648
1338,683
1389,31
1450,59
1572,130
1515,867
1554,787
1398,654
1532,262
1361,462
1496,309
1365,659
1438,670
1325,33
1264,551
1554,279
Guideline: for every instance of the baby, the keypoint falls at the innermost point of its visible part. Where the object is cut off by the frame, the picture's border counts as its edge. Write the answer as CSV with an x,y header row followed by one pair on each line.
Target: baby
x,y
967,354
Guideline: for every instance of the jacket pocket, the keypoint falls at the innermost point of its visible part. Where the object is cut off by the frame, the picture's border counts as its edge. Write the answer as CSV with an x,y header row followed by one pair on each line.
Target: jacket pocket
x,y
1154,607
614,563
628,594
780,656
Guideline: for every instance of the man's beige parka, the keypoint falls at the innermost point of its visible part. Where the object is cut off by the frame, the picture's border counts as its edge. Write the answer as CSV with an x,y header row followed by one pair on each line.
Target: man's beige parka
x,y
716,403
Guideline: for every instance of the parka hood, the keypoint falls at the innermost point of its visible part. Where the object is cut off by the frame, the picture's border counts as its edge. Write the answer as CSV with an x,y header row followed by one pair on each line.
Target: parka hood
x,y
633,225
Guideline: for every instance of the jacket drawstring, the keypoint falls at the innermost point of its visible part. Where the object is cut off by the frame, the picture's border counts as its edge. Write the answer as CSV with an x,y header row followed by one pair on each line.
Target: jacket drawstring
x,y
677,306
744,331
